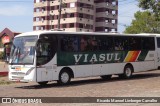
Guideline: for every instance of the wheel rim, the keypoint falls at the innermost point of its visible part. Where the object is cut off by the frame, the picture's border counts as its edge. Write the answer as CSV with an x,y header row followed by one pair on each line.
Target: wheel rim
x,y
128,72
64,77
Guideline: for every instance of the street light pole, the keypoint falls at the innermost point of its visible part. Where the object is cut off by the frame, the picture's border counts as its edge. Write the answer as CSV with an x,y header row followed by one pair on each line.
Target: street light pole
x,y
59,16
51,21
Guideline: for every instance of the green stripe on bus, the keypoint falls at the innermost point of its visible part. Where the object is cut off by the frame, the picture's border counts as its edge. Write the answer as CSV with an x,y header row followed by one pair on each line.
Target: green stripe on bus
x,y
84,58
142,55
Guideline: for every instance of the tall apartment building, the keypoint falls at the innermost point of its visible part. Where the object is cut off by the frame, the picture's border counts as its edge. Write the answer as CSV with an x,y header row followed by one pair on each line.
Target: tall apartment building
x,y
76,15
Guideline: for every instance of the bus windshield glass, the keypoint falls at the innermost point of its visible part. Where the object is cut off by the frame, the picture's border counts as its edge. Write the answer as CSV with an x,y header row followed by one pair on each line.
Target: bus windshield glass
x,y
23,50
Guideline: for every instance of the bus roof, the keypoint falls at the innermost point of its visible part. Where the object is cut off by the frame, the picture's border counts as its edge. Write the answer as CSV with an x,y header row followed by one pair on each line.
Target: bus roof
x,y
82,33
149,34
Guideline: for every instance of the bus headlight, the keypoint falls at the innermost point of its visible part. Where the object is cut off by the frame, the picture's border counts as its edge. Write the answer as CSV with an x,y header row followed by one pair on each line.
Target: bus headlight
x,y
29,71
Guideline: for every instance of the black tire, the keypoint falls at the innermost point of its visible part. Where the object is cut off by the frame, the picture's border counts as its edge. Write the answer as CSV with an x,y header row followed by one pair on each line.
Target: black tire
x,y
106,77
128,71
64,77
43,83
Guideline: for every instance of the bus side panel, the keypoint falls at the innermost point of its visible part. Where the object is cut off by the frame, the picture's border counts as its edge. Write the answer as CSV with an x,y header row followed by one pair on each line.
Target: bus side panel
x,y
83,70
112,68
48,72
147,64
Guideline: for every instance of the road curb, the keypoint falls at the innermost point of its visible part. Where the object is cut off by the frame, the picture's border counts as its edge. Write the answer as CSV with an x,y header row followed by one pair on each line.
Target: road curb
x,y
4,73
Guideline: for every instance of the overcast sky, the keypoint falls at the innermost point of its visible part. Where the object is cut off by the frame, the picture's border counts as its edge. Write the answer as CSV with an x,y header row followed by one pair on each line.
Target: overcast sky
x,y
18,16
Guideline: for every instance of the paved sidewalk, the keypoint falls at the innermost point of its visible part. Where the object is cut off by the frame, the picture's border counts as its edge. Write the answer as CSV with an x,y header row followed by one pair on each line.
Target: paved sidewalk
x,y
3,69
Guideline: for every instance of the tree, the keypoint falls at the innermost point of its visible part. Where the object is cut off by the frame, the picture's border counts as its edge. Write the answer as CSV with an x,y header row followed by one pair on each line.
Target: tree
x,y
144,22
152,5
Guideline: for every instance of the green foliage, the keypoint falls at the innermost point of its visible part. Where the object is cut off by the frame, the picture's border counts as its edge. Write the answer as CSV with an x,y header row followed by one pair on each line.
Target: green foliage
x,y
144,22
1,44
4,82
1,55
152,5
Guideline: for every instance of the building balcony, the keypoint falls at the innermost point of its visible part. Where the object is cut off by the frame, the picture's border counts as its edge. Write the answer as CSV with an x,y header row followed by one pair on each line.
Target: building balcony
x,y
91,2
56,2
85,10
41,13
107,5
85,21
104,14
40,23
105,24
40,4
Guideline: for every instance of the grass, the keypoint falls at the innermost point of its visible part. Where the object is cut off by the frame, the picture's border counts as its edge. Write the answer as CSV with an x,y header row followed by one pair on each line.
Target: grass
x,y
4,81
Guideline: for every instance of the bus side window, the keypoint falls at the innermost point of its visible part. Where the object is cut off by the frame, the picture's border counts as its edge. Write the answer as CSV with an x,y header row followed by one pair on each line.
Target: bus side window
x,y
69,43
158,42
46,48
83,44
134,43
88,43
121,43
92,43
105,43
148,43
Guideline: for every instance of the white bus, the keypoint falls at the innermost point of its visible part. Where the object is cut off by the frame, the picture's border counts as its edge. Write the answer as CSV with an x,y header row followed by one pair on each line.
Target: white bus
x,y
59,56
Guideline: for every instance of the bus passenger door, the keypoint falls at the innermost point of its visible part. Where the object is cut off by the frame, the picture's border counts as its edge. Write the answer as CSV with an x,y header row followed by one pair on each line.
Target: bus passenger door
x,y
44,74
46,56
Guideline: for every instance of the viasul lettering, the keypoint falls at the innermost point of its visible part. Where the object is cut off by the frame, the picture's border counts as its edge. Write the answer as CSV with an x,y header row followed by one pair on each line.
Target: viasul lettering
x,y
85,58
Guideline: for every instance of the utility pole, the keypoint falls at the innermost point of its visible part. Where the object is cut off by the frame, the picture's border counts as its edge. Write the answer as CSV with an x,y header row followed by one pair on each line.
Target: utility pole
x,y
51,21
59,16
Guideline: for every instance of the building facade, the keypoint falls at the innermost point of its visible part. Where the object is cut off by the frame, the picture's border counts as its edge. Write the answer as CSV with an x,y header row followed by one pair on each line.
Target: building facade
x,y
76,15
6,38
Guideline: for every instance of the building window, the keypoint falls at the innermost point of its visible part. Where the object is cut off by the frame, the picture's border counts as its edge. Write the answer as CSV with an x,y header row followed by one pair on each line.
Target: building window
x,y
64,25
113,30
81,15
107,21
64,15
43,1
71,25
72,5
113,12
37,1
72,15
106,30
80,25
114,3
64,5
37,19
37,28
81,4
113,21
37,10
107,12
43,9
107,3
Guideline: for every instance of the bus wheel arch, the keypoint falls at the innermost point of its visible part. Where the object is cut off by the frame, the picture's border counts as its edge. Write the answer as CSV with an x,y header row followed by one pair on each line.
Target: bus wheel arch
x,y
65,76
127,71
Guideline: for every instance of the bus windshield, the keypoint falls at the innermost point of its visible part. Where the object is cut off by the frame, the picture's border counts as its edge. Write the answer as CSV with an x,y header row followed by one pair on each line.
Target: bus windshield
x,y
23,50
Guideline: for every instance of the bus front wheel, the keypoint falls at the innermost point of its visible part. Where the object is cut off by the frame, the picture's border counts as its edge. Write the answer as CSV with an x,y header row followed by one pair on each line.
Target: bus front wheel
x,y
64,77
128,70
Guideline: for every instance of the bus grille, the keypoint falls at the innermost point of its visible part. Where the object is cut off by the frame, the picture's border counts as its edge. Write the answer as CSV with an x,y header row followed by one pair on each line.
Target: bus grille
x,y
18,73
19,78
